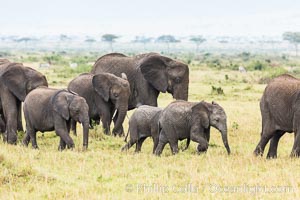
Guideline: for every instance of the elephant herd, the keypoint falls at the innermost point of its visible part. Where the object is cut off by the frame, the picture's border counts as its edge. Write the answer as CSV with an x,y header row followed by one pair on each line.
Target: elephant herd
x,y
118,83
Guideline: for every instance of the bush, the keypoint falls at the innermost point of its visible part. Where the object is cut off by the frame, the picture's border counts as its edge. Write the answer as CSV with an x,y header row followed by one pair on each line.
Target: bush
x,y
257,65
217,90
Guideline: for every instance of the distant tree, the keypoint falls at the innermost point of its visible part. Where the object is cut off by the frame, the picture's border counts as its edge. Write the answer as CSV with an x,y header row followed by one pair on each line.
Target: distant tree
x,y
142,39
197,40
90,41
167,39
293,38
109,38
63,37
25,40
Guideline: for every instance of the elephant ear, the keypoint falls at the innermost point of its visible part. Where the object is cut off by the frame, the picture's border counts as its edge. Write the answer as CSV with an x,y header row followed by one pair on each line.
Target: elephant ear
x,y
200,114
102,85
61,105
15,80
154,70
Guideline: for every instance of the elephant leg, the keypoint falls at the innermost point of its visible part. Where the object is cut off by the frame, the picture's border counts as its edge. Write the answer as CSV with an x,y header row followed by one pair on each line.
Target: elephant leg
x,y
139,144
106,121
128,145
9,104
266,135
161,144
187,144
174,146
62,129
32,136
202,142
274,144
73,127
26,139
296,147
155,143
2,124
20,125
207,134
62,145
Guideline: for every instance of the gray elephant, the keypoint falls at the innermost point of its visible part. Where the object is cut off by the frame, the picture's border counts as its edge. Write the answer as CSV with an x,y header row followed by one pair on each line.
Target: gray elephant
x,y
148,75
280,113
143,123
182,119
16,81
47,109
105,93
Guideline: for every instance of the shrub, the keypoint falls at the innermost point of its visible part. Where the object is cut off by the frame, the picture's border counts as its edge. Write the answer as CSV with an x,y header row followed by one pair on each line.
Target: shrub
x,y
217,90
257,65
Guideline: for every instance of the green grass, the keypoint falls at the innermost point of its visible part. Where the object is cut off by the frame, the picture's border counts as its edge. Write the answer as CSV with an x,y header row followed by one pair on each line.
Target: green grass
x,y
103,172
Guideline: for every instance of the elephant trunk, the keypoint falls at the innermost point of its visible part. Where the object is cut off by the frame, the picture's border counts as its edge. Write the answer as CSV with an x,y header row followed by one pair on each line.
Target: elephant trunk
x,y
225,140
122,111
85,134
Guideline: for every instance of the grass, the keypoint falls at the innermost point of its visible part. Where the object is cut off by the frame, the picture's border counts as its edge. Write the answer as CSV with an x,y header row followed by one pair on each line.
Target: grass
x,y
103,172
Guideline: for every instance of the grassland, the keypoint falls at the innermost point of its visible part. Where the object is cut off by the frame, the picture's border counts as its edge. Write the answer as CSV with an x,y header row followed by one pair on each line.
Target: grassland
x,y
103,172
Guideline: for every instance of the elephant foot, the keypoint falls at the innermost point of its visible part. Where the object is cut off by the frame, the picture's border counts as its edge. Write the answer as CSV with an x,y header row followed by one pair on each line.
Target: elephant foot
x,y
202,148
295,153
62,146
25,143
71,146
12,140
258,151
119,133
85,147
35,147
124,148
157,153
271,156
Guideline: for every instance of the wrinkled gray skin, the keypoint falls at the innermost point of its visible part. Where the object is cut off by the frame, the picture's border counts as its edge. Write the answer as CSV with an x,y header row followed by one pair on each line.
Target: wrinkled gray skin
x,y
142,124
104,93
47,109
16,81
188,120
148,75
280,111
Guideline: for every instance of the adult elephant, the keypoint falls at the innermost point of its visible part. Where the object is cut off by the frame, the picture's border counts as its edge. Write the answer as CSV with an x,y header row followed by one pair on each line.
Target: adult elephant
x,y
148,75
16,81
104,94
280,112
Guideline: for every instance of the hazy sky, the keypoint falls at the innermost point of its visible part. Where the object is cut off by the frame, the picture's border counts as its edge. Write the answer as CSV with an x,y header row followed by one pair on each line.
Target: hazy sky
x,y
150,18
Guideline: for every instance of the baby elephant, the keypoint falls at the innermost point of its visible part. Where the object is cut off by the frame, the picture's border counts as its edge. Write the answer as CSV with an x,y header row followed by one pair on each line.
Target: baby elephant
x,y
47,109
142,124
182,119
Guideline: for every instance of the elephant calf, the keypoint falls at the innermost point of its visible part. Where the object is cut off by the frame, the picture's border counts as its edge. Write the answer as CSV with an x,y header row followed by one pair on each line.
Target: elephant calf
x,y
47,109
182,119
104,93
142,124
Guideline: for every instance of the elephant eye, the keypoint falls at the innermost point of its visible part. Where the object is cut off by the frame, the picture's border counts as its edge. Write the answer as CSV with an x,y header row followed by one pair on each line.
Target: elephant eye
x,y
177,80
